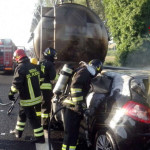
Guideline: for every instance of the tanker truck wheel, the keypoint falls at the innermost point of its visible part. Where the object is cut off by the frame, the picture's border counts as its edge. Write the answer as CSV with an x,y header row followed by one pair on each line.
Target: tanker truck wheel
x,y
104,141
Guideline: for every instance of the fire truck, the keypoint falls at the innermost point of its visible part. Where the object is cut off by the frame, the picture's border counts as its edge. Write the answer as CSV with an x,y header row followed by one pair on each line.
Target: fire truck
x,y
7,47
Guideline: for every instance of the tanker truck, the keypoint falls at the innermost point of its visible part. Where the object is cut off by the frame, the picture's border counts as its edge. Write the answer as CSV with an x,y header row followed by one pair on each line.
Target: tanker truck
x,y
75,31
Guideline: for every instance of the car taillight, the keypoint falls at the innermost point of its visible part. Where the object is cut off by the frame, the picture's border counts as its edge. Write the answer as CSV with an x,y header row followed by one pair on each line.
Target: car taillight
x,y
137,111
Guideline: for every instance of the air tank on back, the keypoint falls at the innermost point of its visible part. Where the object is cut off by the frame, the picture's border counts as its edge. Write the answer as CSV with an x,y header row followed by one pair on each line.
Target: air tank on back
x,y
80,34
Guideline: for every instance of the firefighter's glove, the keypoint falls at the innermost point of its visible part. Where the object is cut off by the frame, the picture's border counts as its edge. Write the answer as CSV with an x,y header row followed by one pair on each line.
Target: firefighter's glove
x,y
11,96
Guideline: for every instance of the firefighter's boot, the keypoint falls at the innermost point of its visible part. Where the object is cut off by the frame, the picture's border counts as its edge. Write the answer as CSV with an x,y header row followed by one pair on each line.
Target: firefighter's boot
x,y
17,133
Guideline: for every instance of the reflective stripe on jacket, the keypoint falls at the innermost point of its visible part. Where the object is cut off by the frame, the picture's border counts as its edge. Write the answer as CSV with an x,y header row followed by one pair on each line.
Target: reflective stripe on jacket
x,y
80,86
47,73
46,86
26,81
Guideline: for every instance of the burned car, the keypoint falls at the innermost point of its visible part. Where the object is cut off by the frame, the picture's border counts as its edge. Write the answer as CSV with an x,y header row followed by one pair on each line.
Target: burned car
x,y
121,118
119,113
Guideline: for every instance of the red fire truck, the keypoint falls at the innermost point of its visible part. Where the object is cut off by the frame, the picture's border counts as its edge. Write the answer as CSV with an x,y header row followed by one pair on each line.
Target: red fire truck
x,y
7,47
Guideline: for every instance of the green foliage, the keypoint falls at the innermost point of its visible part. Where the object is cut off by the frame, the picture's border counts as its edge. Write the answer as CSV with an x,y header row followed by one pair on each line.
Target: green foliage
x,y
128,23
82,2
98,8
111,53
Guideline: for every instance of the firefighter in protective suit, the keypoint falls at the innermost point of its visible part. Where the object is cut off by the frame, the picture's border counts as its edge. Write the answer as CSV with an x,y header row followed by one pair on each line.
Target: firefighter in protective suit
x,y
48,73
26,82
75,102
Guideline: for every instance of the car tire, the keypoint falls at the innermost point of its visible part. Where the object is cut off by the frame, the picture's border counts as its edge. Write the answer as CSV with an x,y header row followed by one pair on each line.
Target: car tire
x,y
104,141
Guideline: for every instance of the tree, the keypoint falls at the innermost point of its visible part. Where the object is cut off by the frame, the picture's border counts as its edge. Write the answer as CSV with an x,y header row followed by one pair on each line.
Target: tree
x,y
128,23
98,8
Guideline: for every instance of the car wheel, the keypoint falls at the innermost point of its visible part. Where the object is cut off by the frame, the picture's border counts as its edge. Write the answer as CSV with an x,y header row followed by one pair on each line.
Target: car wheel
x,y
104,141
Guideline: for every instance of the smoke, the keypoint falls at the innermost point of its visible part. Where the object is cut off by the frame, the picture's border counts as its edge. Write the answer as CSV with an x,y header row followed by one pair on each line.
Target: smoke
x,y
140,56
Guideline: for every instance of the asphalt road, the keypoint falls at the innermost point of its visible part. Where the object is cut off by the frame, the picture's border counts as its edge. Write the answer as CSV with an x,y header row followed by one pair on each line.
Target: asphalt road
x,y
7,123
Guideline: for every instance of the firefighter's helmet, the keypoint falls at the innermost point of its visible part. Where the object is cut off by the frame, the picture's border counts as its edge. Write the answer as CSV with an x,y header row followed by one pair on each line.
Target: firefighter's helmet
x,y
97,64
50,54
19,54
34,61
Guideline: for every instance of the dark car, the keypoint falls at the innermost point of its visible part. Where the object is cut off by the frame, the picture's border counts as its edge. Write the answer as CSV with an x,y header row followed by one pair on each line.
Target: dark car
x,y
120,113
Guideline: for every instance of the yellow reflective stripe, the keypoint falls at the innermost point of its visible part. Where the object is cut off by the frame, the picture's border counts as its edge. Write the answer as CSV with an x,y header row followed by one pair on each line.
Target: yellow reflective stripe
x,y
30,102
98,68
38,134
75,99
64,147
46,86
76,90
41,79
38,129
72,147
38,113
21,123
30,89
56,78
44,115
42,68
19,128
13,89
68,102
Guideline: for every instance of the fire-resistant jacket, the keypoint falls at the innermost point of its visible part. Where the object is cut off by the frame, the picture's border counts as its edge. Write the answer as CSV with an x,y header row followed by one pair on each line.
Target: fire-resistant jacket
x,y
47,73
80,86
26,82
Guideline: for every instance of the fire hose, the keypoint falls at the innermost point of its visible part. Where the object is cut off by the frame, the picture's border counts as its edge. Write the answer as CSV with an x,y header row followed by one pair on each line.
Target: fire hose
x,y
12,103
49,126
5,104
12,106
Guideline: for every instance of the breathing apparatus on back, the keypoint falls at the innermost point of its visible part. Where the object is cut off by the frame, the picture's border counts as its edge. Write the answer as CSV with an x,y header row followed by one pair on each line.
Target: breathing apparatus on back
x,y
63,80
94,67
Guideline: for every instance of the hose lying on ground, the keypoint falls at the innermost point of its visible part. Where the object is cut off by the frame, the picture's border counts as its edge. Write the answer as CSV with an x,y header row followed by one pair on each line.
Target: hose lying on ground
x,y
5,104
2,104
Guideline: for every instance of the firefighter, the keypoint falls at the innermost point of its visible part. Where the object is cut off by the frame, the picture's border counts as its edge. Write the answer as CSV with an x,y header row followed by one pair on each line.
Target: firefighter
x,y
48,74
75,102
26,82
35,62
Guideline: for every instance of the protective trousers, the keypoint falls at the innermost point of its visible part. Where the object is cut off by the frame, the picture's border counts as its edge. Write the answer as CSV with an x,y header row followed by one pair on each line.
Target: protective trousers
x,y
71,129
38,112
46,107
29,112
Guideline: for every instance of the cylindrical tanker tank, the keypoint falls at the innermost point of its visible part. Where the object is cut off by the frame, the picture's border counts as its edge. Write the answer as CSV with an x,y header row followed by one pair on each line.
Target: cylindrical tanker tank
x,y
80,34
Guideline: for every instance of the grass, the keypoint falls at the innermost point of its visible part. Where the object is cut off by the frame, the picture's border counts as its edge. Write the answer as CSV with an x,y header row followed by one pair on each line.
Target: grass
x,y
110,58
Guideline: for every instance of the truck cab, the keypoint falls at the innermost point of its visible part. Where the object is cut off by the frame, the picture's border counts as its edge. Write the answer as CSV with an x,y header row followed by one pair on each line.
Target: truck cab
x,y
7,47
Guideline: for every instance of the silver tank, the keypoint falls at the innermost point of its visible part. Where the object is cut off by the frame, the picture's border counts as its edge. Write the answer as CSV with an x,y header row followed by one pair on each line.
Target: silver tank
x,y
80,34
